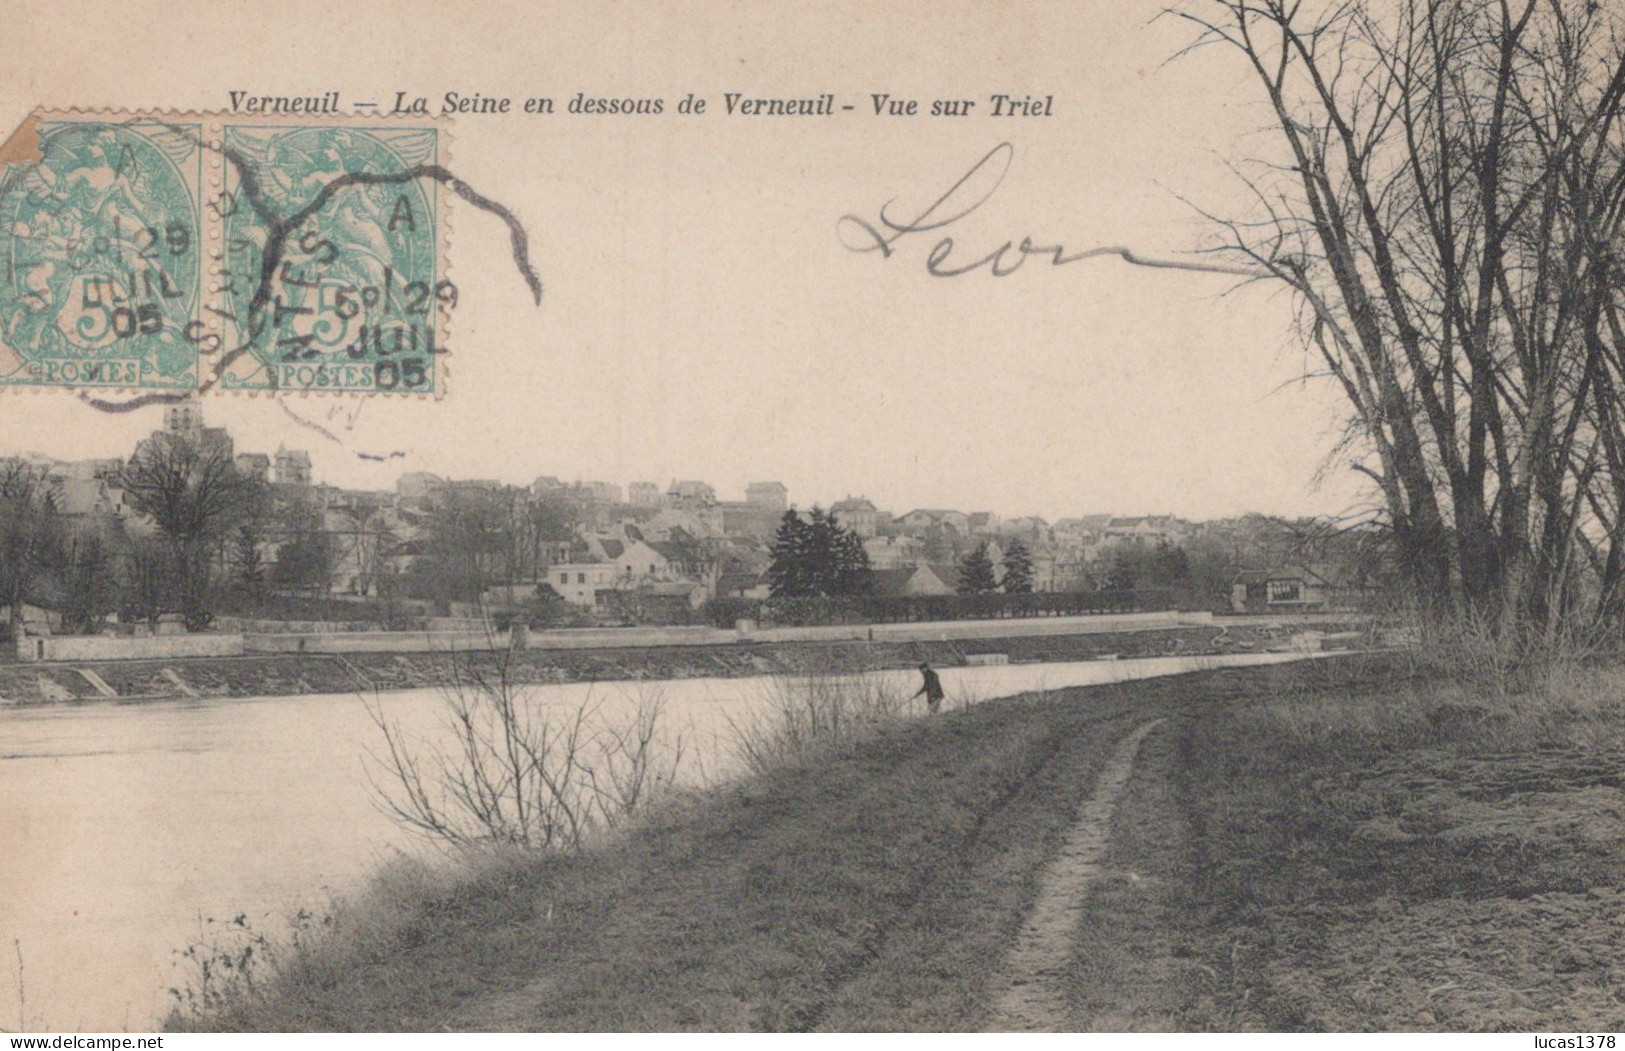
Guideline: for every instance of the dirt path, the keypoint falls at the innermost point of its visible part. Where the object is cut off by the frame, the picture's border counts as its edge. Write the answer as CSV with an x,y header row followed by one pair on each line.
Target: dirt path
x,y
1027,994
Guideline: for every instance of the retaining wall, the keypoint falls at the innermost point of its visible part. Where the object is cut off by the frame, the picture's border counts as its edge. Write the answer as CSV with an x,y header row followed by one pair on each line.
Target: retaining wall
x,y
71,648
612,638
375,642
126,648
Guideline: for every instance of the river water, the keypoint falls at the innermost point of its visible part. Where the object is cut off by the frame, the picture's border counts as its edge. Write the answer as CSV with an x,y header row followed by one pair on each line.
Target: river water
x,y
126,829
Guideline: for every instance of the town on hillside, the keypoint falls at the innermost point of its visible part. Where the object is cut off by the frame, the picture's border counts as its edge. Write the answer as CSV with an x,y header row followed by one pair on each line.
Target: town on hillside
x,y
189,533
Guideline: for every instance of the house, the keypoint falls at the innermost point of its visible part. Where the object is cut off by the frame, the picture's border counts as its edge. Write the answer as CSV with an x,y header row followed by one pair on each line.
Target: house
x,y
1050,572
579,582
770,496
856,514
983,523
254,465
670,522
1306,588
595,493
893,552
923,520
361,536
1081,531
710,563
890,581
742,519
291,467
744,584
628,568
934,579
631,556
1147,529
417,486
690,495
1027,527
923,579
643,494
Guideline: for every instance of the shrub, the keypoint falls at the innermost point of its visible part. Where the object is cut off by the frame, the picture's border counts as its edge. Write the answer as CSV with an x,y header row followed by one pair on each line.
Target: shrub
x,y
725,611
520,773
803,714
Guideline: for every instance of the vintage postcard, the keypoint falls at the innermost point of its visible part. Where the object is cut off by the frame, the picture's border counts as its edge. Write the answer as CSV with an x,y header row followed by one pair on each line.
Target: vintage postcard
x,y
743,516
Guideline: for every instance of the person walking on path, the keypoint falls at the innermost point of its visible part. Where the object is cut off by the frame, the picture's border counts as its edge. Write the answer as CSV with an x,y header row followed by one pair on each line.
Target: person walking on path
x,y
932,688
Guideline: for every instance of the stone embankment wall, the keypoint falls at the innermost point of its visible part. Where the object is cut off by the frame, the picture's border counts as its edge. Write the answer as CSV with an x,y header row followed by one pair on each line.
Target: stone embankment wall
x,y
127,648
70,649
288,674
111,648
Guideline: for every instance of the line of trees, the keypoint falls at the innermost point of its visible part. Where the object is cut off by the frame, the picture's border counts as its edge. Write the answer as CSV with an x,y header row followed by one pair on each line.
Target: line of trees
x,y
31,534
202,523
209,532
1445,205
475,539
979,576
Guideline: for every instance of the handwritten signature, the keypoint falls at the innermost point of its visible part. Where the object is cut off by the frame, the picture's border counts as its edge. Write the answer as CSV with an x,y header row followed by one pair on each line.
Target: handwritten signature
x,y
966,195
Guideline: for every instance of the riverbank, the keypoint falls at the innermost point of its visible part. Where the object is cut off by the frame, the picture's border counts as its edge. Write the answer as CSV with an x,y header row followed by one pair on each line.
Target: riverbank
x,y
1281,832
1386,855
281,675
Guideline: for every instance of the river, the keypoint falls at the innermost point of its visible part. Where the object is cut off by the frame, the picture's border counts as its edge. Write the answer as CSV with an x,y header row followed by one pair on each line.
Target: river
x,y
126,829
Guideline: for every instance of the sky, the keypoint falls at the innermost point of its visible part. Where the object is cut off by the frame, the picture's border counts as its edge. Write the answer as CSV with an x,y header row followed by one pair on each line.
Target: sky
x,y
701,316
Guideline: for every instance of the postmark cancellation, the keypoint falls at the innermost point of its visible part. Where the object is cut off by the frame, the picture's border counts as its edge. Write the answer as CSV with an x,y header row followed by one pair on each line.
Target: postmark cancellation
x,y
168,252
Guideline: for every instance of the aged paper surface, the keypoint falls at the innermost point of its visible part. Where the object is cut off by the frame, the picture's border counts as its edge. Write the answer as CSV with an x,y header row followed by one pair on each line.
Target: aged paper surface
x,y
911,256
701,315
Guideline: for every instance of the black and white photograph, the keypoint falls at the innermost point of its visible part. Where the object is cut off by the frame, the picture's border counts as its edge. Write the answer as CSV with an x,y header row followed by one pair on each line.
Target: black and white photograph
x,y
737,516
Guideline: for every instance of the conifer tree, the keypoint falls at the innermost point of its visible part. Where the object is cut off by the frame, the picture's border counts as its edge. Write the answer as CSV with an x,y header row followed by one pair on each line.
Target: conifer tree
x,y
787,574
814,556
976,572
852,572
1018,568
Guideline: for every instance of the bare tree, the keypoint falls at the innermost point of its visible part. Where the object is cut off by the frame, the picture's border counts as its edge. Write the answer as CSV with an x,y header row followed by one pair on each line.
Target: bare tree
x,y
305,558
1444,209
148,578
89,585
367,537
195,495
539,524
508,768
31,534
469,544
247,559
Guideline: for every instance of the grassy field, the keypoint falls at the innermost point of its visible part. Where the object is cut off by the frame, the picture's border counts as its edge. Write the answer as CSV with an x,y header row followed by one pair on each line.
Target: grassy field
x,y
1379,856
1298,849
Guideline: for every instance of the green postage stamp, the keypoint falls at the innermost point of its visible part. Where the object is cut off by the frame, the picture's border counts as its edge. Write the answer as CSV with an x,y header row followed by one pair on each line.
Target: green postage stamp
x,y
101,239
166,252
